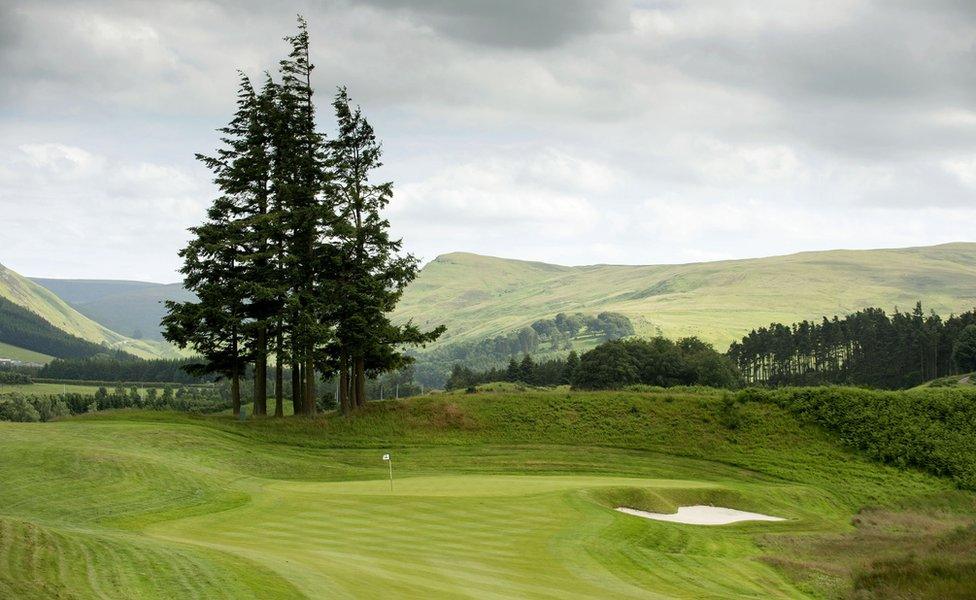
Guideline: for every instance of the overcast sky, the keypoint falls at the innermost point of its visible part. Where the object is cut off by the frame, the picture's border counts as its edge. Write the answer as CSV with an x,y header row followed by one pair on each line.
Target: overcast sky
x,y
568,131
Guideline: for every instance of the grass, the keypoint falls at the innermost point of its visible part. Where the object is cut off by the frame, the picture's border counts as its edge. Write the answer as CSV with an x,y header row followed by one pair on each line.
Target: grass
x,y
56,389
497,494
480,296
21,354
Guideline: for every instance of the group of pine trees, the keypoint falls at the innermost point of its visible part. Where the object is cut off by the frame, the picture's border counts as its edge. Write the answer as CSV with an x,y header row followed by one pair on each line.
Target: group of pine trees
x,y
867,348
552,372
295,263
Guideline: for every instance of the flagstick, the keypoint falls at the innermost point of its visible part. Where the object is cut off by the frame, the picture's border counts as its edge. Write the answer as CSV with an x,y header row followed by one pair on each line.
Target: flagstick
x,y
389,458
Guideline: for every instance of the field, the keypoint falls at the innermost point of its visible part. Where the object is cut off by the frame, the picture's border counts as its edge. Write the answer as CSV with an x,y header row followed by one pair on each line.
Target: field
x,y
56,389
15,353
497,494
480,296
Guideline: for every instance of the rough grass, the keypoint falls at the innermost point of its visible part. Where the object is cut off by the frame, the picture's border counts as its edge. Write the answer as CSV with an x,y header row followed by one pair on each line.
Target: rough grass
x,y
504,494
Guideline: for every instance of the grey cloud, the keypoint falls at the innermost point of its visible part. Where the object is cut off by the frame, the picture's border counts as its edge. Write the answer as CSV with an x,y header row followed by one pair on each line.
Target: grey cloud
x,y
830,104
515,23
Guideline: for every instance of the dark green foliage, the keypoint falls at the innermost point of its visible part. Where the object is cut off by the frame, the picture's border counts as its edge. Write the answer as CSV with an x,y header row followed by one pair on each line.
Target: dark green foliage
x,y
25,329
964,350
15,378
539,373
865,348
608,366
569,369
18,409
118,367
614,365
656,362
931,429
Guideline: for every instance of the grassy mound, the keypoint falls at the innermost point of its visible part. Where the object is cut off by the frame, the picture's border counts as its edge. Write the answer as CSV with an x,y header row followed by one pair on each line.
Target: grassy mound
x,y
497,494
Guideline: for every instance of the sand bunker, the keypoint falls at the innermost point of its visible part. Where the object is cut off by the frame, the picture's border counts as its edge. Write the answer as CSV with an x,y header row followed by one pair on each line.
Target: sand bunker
x,y
701,515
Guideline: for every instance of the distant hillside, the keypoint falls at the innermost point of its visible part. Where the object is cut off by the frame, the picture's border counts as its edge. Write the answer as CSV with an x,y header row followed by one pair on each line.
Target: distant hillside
x,y
133,308
47,305
24,329
479,297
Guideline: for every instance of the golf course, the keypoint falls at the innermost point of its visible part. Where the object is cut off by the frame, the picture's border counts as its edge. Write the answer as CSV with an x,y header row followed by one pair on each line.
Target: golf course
x,y
503,493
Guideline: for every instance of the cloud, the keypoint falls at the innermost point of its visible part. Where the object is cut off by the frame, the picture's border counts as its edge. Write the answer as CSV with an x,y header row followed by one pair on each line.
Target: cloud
x,y
543,195
90,214
534,128
514,23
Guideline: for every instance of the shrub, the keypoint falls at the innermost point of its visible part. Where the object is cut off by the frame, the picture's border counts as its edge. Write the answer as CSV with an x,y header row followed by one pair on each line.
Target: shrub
x,y
19,409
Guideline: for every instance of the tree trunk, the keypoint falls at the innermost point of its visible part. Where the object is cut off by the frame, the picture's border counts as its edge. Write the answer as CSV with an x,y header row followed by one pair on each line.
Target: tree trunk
x,y
235,393
309,385
261,373
360,367
344,383
296,387
279,379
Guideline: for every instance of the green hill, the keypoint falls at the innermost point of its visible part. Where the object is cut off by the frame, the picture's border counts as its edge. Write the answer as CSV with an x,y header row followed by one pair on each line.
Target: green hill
x,y
46,304
133,308
479,296
496,495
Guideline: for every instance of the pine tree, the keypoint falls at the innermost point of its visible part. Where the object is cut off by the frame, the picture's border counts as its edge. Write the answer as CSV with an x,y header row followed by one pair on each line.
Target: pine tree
x,y
372,273
527,369
303,180
213,324
512,373
572,362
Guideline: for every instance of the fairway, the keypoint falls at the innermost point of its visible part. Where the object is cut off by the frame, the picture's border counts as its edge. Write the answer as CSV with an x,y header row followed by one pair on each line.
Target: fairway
x,y
488,502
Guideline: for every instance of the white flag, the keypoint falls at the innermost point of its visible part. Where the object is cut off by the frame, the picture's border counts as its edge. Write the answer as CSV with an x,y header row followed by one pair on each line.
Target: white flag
x,y
386,457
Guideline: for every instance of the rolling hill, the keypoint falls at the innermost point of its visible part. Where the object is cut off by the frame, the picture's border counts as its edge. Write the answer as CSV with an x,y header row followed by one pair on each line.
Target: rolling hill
x,y
133,308
47,305
480,296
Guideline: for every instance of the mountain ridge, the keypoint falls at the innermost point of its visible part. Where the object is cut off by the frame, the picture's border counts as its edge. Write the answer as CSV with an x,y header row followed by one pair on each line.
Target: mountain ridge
x,y
479,296
719,301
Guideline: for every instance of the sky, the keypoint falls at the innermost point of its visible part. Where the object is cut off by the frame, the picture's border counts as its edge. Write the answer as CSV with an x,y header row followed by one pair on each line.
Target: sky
x,y
565,131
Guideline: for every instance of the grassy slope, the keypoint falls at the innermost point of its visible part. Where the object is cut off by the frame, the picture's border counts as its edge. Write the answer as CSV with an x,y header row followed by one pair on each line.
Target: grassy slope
x,y
478,296
123,306
15,353
56,311
498,495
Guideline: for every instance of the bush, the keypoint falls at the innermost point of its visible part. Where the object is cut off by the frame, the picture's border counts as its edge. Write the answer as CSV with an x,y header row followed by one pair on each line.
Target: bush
x,y
931,429
14,378
18,409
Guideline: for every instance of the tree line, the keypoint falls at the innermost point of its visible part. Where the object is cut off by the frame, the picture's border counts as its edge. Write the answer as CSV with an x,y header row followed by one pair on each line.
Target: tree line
x,y
615,364
118,366
31,408
869,348
295,262
544,373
